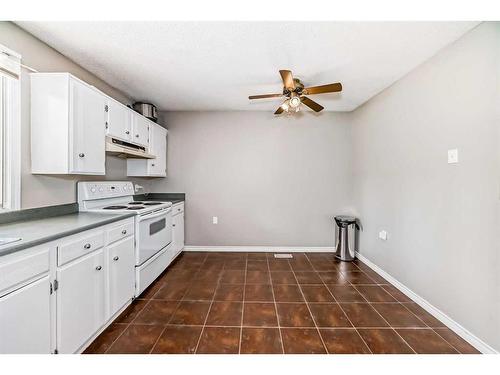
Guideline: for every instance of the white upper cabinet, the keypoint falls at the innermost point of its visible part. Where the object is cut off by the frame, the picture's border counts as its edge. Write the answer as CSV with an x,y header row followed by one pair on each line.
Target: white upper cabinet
x,y
157,146
119,121
87,116
140,129
68,122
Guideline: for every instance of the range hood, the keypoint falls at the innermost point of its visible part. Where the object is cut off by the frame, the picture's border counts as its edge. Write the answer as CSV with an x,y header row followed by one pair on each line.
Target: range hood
x,y
126,150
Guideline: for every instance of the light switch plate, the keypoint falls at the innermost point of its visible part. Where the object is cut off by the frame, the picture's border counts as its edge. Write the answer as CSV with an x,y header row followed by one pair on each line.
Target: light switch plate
x,y
215,220
453,156
382,235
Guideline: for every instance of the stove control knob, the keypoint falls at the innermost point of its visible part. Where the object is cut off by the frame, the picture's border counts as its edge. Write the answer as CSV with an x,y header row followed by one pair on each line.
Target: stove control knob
x,y
101,189
92,190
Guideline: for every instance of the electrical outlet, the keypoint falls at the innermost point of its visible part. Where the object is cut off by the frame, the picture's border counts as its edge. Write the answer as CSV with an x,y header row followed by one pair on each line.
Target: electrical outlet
x,y
382,235
215,220
453,156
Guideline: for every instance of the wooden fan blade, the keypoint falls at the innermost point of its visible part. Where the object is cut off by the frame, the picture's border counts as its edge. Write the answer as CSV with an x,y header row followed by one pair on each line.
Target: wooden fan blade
x,y
311,104
333,87
265,96
287,78
279,111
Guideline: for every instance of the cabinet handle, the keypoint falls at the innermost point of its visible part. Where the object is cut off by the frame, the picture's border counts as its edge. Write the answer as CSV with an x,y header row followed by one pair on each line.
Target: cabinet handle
x,y
116,258
127,132
86,246
81,154
98,268
124,231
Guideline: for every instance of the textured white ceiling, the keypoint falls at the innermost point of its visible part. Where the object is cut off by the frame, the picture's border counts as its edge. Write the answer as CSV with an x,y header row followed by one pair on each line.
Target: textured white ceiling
x,y
216,65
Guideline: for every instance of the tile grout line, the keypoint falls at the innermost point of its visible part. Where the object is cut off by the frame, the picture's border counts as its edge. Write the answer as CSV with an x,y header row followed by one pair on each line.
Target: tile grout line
x,y
307,304
243,304
128,325
453,346
275,305
389,325
209,308
176,308
343,311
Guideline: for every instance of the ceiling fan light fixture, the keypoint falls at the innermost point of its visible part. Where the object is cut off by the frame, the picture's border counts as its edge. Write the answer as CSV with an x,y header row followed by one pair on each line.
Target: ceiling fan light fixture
x,y
295,102
285,106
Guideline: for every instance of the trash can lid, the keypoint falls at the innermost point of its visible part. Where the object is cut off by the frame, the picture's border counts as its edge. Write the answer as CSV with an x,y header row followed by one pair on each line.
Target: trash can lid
x,y
346,219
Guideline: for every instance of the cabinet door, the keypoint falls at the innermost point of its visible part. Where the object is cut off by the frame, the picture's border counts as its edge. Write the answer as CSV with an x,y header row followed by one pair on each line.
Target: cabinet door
x,y
80,301
86,129
119,121
158,147
178,233
25,319
140,127
121,261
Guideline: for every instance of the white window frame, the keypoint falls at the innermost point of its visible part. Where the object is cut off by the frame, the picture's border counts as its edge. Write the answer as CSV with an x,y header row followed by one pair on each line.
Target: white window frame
x,y
10,137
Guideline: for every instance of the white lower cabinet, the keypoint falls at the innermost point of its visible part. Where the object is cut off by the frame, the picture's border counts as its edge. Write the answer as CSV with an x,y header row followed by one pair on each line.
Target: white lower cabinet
x,y
80,301
121,274
177,228
25,319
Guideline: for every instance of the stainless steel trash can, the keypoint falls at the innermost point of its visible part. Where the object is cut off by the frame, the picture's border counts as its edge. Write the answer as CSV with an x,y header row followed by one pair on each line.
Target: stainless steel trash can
x,y
346,229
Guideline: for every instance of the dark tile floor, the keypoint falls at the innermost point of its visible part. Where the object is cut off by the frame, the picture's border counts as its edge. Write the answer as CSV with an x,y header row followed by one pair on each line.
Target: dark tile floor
x,y
254,303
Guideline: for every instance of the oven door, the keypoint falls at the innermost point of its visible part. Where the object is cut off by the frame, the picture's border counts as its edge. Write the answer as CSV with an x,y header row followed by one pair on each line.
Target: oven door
x,y
154,232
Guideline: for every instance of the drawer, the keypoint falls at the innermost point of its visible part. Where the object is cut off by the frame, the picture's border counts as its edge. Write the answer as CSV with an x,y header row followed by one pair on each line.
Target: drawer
x,y
79,244
121,230
17,268
177,208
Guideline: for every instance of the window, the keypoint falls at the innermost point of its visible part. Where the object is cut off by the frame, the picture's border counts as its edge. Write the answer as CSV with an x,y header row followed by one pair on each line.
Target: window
x,y
10,158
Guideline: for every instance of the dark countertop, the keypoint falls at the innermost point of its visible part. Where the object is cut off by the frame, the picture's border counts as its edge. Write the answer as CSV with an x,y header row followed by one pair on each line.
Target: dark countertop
x,y
41,230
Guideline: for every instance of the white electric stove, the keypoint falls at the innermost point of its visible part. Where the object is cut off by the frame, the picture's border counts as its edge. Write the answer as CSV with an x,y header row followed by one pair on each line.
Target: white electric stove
x,y
153,224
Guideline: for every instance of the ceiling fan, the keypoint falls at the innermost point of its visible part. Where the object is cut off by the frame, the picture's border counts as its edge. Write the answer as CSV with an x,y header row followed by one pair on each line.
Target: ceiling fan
x,y
294,93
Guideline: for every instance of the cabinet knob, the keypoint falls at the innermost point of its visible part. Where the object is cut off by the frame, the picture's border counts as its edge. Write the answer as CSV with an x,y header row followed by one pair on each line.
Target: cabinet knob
x,y
86,246
173,225
153,164
124,231
178,209
81,154
116,258
98,268
137,135
127,132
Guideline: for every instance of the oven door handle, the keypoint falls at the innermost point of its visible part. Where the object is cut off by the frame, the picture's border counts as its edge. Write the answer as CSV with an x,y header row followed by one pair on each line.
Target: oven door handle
x,y
147,217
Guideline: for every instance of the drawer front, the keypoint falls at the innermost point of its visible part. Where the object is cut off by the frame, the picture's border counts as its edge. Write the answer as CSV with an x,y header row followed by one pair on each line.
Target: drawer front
x,y
122,230
22,266
80,244
177,208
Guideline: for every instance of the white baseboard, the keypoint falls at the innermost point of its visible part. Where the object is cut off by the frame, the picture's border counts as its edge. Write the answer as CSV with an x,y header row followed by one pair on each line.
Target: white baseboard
x,y
438,314
264,249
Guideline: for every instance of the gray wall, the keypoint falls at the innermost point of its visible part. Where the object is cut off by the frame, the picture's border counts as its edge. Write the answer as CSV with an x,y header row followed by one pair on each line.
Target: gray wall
x,y
270,181
442,219
36,190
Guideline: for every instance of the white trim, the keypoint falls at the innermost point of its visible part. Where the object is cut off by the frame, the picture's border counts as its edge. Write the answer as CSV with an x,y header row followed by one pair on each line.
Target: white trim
x,y
434,311
264,249
11,145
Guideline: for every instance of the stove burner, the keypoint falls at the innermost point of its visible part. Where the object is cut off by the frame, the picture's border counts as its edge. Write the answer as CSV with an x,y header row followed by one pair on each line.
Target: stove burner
x,y
135,208
114,208
151,203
